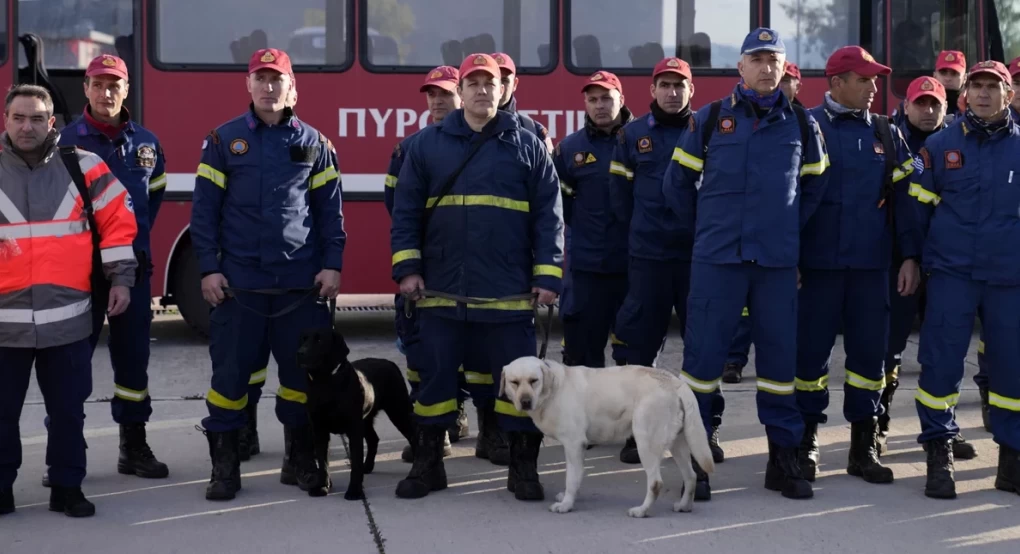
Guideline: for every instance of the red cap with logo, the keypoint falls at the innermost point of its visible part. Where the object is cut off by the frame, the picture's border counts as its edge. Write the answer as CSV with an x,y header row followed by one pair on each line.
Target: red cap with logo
x,y
792,70
444,77
991,67
856,59
107,65
605,80
952,59
673,65
505,62
1014,66
479,62
926,86
270,58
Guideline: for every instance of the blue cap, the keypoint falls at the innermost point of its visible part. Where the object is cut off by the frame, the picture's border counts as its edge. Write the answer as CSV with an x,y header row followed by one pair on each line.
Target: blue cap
x,y
763,39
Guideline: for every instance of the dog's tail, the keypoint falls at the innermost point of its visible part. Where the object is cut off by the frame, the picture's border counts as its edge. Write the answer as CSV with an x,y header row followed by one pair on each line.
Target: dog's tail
x,y
694,429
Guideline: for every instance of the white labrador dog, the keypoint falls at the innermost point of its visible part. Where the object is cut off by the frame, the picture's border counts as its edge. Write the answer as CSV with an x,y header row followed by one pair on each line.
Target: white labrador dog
x,y
579,406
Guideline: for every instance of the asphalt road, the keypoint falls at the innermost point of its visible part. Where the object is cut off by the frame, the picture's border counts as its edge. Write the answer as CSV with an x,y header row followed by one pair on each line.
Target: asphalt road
x,y
476,513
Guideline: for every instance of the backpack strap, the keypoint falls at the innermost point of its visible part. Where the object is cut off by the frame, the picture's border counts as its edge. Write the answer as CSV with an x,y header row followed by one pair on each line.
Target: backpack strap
x,y
883,131
709,126
69,155
805,130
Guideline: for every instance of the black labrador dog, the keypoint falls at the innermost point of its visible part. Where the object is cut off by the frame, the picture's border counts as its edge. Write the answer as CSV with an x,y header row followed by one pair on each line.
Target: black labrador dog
x,y
344,398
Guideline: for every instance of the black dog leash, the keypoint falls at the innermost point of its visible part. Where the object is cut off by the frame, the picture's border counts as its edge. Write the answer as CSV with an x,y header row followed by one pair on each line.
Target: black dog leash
x,y
230,291
409,309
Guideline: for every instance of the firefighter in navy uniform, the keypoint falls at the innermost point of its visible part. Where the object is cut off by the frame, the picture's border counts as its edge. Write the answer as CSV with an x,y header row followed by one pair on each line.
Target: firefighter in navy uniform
x,y
925,111
598,253
440,89
497,232
967,194
951,73
135,157
746,245
268,232
845,257
508,102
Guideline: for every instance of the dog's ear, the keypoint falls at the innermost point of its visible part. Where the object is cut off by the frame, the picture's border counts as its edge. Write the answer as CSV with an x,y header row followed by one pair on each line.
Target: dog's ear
x,y
502,382
548,378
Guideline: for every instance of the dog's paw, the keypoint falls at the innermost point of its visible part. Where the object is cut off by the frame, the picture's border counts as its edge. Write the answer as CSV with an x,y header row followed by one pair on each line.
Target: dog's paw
x,y
638,511
354,494
561,507
559,496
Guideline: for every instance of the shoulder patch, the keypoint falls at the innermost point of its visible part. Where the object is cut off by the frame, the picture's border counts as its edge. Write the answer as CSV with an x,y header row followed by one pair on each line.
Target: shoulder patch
x,y
214,136
644,144
954,159
691,124
396,151
925,157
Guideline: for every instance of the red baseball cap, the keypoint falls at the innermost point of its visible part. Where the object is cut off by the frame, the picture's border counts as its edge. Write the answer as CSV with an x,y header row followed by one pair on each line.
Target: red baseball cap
x,y
107,65
479,62
270,58
673,65
505,62
998,69
605,80
1014,66
792,70
856,59
926,86
952,59
444,77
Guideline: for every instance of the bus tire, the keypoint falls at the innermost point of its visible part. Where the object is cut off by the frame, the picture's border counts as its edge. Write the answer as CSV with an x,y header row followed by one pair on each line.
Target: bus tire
x,y
188,292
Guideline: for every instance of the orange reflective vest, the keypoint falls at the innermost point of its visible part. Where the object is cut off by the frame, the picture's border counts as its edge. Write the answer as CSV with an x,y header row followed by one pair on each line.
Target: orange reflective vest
x,y
46,246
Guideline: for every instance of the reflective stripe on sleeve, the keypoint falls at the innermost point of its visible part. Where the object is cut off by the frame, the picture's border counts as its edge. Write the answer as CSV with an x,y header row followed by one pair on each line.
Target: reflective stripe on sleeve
x,y
924,195
323,177
617,168
687,160
117,253
548,271
216,176
157,183
404,255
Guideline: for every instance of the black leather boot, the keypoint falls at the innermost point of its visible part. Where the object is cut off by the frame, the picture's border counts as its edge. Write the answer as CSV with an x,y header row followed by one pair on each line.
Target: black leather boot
x,y
809,453
407,455
492,441
985,418
940,483
862,461
629,452
249,445
884,419
522,479
302,459
288,473
1007,478
718,456
702,487
732,373
136,458
963,450
783,473
71,501
6,501
225,480
427,473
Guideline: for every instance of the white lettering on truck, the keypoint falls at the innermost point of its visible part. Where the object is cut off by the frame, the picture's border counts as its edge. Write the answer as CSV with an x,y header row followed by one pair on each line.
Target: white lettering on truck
x,y
405,122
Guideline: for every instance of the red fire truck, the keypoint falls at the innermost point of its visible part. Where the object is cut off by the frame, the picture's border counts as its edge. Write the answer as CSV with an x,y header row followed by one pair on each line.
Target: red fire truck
x,y
359,64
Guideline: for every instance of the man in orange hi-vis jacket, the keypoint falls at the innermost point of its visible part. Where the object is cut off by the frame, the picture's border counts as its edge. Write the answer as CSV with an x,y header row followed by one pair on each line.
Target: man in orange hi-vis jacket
x,y
46,253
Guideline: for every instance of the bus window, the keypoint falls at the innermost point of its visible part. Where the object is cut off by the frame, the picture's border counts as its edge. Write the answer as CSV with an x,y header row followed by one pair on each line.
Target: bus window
x,y
922,29
636,34
415,34
192,33
1003,40
813,29
75,31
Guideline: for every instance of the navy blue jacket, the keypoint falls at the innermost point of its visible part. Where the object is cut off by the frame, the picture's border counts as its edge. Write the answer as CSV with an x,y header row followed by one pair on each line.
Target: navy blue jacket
x,y
393,172
527,123
968,191
267,207
849,229
582,162
499,230
752,189
640,160
136,159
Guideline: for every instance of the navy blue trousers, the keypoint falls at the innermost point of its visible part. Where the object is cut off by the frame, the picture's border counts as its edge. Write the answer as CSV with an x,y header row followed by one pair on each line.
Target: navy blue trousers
x,y
589,318
233,329
655,289
858,300
741,347
64,374
953,304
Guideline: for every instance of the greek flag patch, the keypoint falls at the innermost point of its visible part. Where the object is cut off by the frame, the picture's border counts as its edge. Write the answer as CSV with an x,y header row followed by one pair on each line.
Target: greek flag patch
x,y
918,164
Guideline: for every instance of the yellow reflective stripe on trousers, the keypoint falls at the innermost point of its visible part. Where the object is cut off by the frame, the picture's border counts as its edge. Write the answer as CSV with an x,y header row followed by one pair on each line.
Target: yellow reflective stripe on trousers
x,y
216,176
697,385
323,177
132,395
412,376
435,410
404,255
687,160
999,401
745,313
292,395
617,168
481,200
817,385
816,168
258,376
509,305
775,387
981,347
220,401
857,380
941,403
548,271
924,195
506,408
475,378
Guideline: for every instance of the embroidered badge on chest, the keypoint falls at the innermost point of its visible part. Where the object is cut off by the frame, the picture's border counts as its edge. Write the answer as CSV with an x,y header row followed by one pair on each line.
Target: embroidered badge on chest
x,y
146,156
954,159
238,146
727,125
644,145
